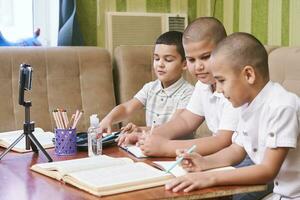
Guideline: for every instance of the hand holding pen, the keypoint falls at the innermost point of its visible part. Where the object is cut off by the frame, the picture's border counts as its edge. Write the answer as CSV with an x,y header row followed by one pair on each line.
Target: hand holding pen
x,y
183,155
191,161
129,135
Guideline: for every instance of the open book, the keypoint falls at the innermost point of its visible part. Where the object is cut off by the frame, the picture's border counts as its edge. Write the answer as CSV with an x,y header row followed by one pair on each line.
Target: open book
x,y
44,138
178,170
134,150
103,175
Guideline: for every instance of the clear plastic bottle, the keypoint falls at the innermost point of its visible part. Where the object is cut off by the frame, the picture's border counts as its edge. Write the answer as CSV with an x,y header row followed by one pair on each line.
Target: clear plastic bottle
x,y
94,137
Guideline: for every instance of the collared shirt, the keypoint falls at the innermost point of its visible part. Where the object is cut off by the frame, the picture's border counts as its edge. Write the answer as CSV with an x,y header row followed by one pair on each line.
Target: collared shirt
x,y
218,111
161,103
271,120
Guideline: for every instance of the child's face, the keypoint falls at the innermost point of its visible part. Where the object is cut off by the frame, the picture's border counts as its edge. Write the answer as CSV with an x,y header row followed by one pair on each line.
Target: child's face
x,y
197,55
168,64
231,81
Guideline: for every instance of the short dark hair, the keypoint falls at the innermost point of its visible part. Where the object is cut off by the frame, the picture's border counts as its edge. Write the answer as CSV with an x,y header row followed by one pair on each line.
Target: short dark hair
x,y
242,49
172,38
204,28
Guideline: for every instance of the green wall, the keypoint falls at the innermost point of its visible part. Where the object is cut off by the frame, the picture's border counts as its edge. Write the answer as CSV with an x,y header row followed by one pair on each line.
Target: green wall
x,y
274,22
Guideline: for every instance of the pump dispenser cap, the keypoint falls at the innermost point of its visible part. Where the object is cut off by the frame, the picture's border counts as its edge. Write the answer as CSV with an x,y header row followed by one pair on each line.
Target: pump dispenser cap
x,y
94,120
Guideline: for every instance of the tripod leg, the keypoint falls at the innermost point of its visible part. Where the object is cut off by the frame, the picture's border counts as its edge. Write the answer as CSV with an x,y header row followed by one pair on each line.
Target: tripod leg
x,y
11,146
31,144
39,146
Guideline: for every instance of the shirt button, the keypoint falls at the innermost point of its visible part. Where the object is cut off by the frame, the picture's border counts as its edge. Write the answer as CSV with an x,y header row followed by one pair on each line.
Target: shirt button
x,y
271,134
162,99
276,183
154,121
255,150
245,133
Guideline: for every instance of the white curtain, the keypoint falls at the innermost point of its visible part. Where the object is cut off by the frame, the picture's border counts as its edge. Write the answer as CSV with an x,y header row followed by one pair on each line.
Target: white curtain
x,y
45,16
16,19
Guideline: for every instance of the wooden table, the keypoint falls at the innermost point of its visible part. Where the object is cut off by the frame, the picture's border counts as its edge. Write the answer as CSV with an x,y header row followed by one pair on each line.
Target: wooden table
x,y
19,182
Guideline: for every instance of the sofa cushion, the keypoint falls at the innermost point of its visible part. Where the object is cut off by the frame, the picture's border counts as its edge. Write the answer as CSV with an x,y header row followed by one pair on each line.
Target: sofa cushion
x,y
284,65
132,70
63,77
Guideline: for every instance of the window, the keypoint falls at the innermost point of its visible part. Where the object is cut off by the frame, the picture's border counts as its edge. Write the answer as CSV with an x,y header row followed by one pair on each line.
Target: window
x,y
19,19
16,19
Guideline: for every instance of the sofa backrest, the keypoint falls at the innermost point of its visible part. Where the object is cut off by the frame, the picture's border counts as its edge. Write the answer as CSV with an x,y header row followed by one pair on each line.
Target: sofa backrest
x,y
63,77
284,65
132,70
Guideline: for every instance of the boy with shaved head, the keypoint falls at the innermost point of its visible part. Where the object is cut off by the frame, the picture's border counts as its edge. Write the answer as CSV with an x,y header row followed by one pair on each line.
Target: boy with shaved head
x,y
268,129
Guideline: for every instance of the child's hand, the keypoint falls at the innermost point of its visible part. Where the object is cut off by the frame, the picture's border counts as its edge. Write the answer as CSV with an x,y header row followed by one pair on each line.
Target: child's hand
x,y
127,138
105,126
152,145
192,162
129,128
191,181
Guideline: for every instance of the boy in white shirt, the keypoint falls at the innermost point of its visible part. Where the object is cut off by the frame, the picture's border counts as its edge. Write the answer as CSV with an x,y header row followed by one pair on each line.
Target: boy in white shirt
x,y
268,129
165,97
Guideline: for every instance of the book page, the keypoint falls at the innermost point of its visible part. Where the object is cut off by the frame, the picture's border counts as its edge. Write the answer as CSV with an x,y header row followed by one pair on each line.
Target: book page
x,y
44,138
134,150
115,179
176,171
179,171
17,133
67,166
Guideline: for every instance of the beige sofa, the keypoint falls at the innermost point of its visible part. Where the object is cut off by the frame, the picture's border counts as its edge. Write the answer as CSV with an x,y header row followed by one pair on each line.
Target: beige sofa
x,y
83,77
63,77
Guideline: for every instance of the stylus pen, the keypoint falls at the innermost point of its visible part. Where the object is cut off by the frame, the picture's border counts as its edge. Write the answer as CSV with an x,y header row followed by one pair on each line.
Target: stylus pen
x,y
190,150
111,136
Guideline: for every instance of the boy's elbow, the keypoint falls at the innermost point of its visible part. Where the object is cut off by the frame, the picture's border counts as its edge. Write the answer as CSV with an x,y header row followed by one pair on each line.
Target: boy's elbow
x,y
268,173
225,138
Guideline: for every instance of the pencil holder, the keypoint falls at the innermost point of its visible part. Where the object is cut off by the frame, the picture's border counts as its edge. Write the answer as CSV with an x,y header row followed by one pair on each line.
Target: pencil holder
x,y
65,142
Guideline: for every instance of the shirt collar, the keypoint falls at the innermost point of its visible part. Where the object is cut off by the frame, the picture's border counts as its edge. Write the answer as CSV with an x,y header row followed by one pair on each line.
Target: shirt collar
x,y
257,101
207,88
169,91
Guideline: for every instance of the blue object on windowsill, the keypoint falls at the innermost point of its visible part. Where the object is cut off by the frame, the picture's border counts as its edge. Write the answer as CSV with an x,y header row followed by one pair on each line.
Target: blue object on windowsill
x,y
33,41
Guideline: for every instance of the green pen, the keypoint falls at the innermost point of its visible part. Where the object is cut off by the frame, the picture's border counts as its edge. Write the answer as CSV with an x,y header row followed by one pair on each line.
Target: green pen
x,y
190,150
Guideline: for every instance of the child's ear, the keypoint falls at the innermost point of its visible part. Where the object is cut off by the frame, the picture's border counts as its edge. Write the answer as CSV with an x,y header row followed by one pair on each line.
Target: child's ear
x,y
184,65
249,74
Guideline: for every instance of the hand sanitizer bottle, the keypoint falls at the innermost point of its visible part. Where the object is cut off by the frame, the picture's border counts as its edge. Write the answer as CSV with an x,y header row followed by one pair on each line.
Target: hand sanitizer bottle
x,y
94,137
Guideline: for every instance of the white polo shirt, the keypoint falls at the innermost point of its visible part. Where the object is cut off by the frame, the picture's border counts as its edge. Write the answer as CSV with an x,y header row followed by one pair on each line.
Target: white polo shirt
x,y
218,111
271,121
161,103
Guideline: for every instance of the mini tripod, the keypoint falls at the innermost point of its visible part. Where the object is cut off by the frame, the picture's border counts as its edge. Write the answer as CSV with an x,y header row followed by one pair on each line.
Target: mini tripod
x,y
30,139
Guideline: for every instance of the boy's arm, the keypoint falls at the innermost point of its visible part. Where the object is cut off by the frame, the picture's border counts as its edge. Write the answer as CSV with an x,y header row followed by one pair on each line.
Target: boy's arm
x,y
180,125
205,145
255,174
176,113
120,113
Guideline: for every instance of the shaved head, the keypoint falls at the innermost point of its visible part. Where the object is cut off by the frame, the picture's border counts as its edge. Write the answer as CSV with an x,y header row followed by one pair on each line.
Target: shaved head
x,y
242,49
204,28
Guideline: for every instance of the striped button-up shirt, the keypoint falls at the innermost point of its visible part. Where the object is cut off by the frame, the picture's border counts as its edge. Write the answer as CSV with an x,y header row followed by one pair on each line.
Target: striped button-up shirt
x,y
161,103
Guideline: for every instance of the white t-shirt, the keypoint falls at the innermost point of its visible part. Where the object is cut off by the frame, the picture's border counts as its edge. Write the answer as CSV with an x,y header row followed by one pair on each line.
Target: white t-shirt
x,y
161,103
271,121
218,111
